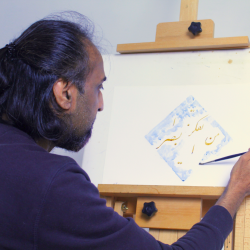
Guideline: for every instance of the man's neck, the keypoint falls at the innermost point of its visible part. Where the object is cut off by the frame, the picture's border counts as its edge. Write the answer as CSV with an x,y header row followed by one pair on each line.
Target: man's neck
x,y
45,144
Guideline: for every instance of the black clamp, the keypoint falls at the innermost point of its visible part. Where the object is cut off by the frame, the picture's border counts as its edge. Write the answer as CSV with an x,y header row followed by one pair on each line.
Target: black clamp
x,y
149,208
195,28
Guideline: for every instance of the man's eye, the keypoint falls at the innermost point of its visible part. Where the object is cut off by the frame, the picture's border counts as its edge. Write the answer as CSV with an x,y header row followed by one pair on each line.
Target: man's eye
x,y
101,87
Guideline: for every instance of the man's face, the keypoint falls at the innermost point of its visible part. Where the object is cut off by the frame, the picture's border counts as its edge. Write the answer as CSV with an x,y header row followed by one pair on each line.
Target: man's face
x,y
82,117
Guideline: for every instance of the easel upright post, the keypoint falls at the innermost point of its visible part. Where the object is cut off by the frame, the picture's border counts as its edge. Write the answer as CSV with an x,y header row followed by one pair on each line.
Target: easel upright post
x,y
189,10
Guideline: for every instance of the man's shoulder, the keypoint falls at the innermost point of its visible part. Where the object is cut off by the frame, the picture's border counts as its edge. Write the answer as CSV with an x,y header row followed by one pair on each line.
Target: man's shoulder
x,y
19,150
8,132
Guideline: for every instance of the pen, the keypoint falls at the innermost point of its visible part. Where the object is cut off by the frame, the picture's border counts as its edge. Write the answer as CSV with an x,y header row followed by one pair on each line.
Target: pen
x,y
223,158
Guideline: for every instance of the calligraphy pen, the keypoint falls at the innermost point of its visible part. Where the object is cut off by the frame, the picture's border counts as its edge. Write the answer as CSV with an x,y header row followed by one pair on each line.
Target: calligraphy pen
x,y
223,158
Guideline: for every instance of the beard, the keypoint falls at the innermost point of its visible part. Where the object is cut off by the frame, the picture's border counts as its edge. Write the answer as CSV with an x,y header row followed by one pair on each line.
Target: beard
x,y
75,143
77,127
72,140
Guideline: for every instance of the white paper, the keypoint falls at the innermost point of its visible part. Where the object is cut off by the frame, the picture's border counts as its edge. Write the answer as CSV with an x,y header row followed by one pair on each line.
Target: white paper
x,y
136,110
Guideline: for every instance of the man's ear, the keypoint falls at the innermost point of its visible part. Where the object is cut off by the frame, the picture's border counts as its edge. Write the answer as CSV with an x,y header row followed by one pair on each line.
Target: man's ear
x,y
65,94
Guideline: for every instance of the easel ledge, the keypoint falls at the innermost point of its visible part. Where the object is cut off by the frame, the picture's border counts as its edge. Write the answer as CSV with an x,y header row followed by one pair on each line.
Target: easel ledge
x,y
179,207
160,191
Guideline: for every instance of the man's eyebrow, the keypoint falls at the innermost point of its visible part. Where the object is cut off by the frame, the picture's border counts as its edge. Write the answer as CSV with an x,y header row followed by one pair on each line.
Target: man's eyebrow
x,y
104,79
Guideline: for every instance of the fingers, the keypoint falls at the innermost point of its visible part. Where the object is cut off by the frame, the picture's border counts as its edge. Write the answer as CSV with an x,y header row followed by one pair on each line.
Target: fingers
x,y
246,156
242,166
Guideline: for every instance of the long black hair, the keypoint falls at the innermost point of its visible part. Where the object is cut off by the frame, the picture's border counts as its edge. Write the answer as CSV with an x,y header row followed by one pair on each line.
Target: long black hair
x,y
50,49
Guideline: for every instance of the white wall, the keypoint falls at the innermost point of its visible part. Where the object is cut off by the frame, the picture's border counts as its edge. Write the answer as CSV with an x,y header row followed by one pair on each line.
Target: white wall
x,y
121,21
125,21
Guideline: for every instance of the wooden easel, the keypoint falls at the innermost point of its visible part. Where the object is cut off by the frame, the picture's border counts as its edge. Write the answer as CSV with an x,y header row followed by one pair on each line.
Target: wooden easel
x,y
174,36
178,209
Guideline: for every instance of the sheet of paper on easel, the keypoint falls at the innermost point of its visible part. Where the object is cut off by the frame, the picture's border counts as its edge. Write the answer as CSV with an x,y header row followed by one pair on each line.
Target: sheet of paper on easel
x,y
155,131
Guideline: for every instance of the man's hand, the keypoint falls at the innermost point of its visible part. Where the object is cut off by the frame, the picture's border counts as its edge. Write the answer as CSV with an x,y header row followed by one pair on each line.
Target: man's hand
x,y
239,185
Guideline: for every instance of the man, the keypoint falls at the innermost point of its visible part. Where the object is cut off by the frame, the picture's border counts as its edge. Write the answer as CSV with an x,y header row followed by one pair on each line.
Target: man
x,y
50,92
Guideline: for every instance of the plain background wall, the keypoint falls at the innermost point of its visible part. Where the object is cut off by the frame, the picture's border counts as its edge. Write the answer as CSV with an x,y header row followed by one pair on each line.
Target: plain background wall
x,y
119,21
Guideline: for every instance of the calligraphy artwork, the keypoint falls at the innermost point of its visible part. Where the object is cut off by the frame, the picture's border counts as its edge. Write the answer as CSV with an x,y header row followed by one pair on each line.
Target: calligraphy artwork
x,y
187,136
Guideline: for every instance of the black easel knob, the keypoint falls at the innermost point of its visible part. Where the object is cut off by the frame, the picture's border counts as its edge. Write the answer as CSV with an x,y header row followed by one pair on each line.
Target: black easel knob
x,y
195,28
149,208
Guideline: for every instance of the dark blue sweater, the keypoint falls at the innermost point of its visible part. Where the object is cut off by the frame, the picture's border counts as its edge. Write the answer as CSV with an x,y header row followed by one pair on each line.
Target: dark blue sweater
x,y
48,202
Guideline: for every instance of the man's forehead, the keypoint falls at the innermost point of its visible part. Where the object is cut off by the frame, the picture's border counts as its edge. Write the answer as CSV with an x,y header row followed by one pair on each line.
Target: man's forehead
x,y
96,66
93,52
